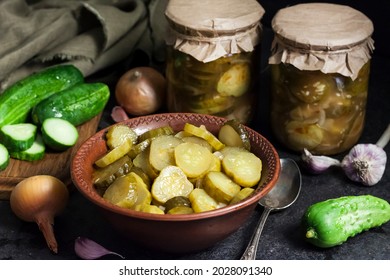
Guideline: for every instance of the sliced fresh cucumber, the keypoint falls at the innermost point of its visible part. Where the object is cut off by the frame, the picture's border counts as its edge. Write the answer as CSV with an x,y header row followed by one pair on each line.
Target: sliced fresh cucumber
x,y
35,152
59,134
4,157
18,137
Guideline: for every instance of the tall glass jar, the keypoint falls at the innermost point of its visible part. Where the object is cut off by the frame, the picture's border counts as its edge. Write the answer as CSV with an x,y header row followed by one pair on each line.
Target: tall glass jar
x,y
212,56
320,65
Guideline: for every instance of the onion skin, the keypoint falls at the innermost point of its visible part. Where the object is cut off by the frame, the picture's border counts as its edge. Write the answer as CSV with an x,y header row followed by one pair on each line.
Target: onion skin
x,y
39,199
141,91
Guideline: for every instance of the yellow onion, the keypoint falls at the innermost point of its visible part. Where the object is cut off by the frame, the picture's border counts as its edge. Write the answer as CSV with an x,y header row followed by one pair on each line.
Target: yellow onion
x,y
39,199
141,91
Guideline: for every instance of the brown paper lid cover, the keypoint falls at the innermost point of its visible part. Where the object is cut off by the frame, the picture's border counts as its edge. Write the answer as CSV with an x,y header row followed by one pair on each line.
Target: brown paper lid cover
x,y
208,30
321,36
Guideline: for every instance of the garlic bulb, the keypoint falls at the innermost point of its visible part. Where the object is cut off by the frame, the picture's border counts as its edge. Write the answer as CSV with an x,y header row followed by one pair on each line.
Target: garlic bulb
x,y
365,164
318,164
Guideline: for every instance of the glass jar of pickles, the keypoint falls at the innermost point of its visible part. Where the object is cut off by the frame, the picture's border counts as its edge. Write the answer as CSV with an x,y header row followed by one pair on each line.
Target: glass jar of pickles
x,y
212,56
320,65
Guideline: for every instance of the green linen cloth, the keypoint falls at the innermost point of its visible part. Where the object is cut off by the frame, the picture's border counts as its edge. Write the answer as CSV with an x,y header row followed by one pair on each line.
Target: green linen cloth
x,y
90,34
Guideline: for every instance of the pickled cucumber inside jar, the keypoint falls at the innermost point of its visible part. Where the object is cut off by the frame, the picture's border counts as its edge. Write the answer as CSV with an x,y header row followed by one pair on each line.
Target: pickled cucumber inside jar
x,y
337,104
235,81
319,81
211,103
217,87
308,113
303,135
320,123
307,86
359,86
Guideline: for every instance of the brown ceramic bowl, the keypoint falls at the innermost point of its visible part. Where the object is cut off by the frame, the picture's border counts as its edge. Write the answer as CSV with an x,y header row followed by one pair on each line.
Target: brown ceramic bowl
x,y
174,233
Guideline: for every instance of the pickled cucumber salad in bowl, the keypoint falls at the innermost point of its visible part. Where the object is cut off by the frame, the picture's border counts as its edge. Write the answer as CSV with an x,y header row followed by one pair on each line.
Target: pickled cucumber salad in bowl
x,y
164,179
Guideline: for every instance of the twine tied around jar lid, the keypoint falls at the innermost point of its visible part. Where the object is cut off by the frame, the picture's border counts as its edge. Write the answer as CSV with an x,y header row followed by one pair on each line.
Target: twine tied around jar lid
x,y
208,30
331,38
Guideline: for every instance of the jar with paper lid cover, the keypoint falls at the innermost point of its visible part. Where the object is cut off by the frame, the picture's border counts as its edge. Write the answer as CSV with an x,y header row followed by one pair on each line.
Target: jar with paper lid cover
x,y
212,57
320,65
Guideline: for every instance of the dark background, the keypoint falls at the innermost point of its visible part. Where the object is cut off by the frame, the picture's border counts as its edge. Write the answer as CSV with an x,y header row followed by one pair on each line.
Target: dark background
x,y
281,237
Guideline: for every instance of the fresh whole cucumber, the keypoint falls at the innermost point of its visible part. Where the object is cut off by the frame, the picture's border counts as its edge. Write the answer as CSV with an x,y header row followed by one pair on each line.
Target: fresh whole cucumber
x,y
76,104
17,101
331,222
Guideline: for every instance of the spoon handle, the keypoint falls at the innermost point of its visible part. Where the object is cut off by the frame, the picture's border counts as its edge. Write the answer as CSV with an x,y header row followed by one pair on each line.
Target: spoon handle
x,y
251,249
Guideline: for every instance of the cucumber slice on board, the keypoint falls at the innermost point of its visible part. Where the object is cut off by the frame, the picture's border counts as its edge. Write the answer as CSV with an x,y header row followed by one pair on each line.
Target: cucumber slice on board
x,y
18,137
4,157
59,134
35,152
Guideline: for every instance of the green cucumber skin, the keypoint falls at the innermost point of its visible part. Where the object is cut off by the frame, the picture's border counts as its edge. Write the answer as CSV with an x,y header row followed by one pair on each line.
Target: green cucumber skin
x,y
34,153
53,141
17,101
4,157
331,222
17,145
76,104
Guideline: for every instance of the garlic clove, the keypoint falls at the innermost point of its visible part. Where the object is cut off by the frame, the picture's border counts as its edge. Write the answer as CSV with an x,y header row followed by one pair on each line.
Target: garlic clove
x,y
318,164
88,249
118,114
365,163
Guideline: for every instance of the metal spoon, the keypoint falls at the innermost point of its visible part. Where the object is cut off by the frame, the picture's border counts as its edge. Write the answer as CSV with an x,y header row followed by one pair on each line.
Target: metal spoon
x,y
281,196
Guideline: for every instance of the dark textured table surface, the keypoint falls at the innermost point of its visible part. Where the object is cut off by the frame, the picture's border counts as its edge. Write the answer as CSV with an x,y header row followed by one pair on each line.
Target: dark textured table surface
x,y
281,238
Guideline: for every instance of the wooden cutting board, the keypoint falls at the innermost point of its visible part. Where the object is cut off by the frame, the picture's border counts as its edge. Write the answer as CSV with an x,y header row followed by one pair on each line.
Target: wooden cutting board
x,y
54,163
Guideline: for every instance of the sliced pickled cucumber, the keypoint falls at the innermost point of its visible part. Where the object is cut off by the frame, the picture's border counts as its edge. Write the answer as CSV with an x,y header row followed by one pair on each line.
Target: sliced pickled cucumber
x,y
216,164
180,210
244,168
142,161
359,86
153,133
138,148
308,113
128,191
235,81
182,134
201,201
193,159
205,134
161,152
171,182
118,133
211,103
220,187
197,140
148,208
310,93
232,133
241,195
143,175
337,105
177,201
243,109
231,150
307,86
115,154
103,177
302,135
